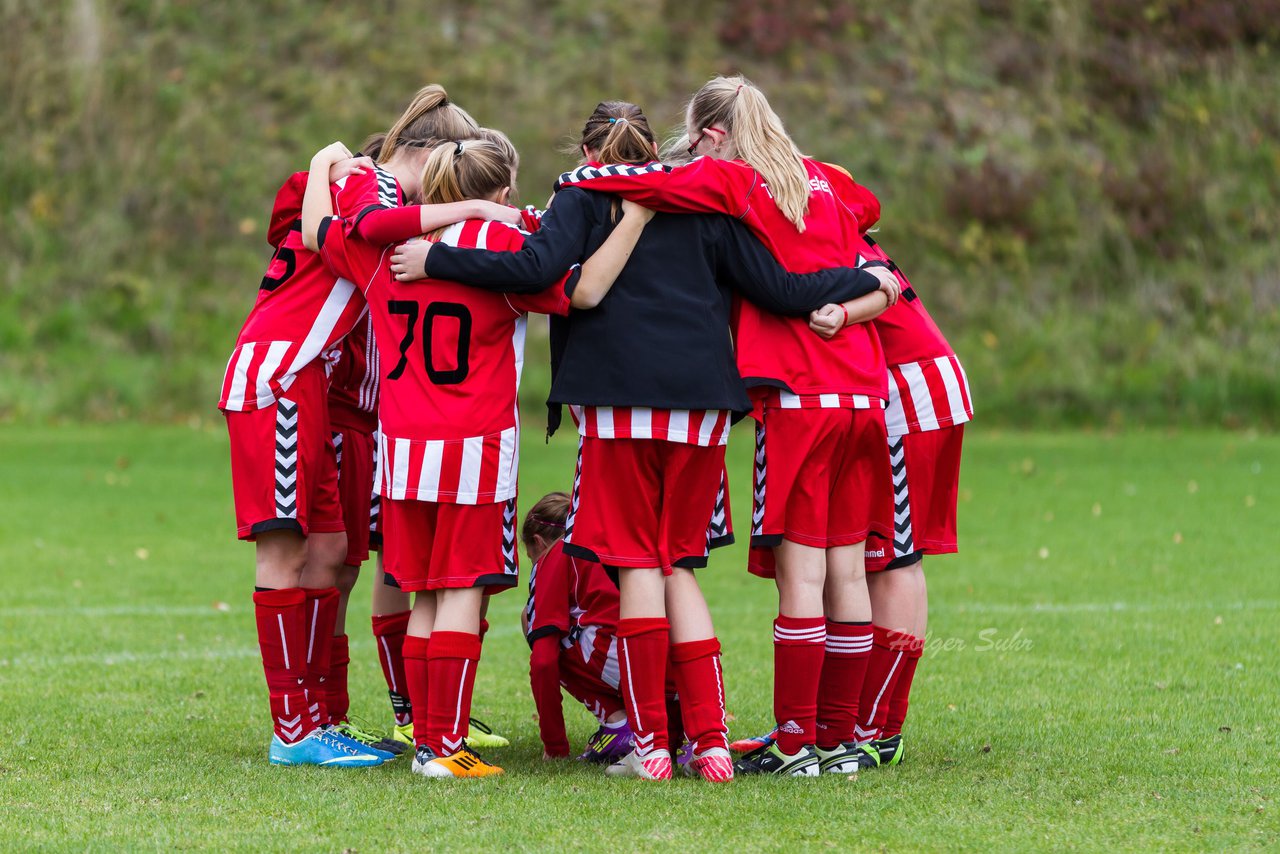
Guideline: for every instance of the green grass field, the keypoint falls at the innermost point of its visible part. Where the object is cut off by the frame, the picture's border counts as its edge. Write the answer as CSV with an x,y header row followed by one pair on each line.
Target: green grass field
x,y
1100,673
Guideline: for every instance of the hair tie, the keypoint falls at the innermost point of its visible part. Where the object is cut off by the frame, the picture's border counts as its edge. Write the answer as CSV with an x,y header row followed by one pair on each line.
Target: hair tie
x,y
549,523
739,89
616,121
457,152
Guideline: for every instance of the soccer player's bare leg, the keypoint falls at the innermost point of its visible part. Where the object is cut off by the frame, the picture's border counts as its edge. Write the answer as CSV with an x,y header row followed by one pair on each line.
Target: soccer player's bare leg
x,y
643,641
390,623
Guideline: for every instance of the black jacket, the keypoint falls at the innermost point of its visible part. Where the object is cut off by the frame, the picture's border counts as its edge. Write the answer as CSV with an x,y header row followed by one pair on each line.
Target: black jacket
x,y
661,337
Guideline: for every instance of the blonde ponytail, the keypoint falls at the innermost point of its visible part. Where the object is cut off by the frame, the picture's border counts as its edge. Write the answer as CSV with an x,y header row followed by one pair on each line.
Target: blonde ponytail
x,y
429,118
756,136
467,169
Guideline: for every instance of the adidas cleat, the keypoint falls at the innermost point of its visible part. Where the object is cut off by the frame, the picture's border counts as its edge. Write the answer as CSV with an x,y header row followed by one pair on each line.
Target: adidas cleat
x,y
324,747
403,733
465,763
336,733
369,739
887,750
847,758
770,760
655,765
422,757
608,745
746,745
480,735
714,765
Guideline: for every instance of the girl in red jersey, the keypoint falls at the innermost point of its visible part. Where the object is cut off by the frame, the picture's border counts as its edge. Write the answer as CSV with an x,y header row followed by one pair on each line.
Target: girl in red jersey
x,y
651,380
449,430
282,456
571,624
820,406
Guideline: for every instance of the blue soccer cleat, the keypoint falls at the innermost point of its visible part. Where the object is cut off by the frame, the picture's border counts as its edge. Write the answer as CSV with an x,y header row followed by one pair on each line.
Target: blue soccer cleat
x,y
325,747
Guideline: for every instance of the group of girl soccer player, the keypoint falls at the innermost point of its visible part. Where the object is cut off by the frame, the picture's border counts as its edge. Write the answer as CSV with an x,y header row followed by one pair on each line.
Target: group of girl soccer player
x,y
372,399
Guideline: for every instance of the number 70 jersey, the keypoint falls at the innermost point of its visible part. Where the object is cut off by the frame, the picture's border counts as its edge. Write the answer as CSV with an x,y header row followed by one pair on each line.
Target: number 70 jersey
x,y
451,357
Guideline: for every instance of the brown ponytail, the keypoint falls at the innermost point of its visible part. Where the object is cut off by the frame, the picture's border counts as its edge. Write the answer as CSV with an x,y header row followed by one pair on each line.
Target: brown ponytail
x,y
618,132
756,136
430,117
545,519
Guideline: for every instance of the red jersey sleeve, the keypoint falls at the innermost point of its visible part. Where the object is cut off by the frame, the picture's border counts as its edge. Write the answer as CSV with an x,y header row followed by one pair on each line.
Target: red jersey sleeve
x,y
548,608
706,185
544,681
360,195
346,255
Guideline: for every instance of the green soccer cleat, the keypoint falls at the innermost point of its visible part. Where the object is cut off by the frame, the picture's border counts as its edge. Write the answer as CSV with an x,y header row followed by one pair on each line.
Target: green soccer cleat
x,y
480,735
370,739
770,760
888,750
403,733
847,758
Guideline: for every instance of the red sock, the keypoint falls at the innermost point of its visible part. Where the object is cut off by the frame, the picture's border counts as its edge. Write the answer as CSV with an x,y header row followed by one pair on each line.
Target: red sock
x,y
452,662
701,684
642,658
388,635
336,696
888,655
322,613
902,691
484,630
844,666
415,671
798,644
282,632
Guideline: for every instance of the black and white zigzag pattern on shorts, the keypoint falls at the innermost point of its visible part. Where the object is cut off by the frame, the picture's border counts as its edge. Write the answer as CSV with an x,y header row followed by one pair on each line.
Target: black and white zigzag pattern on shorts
x,y
718,529
902,540
510,563
286,459
757,492
573,500
337,452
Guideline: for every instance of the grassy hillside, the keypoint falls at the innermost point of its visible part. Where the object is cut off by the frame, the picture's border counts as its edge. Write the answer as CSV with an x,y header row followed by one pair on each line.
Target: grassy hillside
x,y
1084,191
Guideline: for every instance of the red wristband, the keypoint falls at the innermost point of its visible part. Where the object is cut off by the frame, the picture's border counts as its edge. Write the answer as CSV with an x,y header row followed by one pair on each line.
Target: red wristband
x,y
846,314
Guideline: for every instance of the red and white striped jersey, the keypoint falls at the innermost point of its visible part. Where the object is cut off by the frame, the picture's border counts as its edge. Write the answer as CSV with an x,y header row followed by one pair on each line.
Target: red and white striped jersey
x,y
771,350
927,395
776,398
452,355
567,595
353,380
927,386
303,310
705,427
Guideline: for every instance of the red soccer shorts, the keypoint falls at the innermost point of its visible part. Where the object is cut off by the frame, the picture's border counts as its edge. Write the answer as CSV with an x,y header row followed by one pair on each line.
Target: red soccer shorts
x,y
647,503
820,475
926,485
430,546
283,470
593,656
355,450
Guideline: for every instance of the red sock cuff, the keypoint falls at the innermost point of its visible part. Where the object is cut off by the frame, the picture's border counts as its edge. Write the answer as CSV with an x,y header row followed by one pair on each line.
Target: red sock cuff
x,y
916,649
799,630
415,647
279,598
453,645
882,636
693,650
391,624
902,641
341,649
642,625
848,630
484,629
320,592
